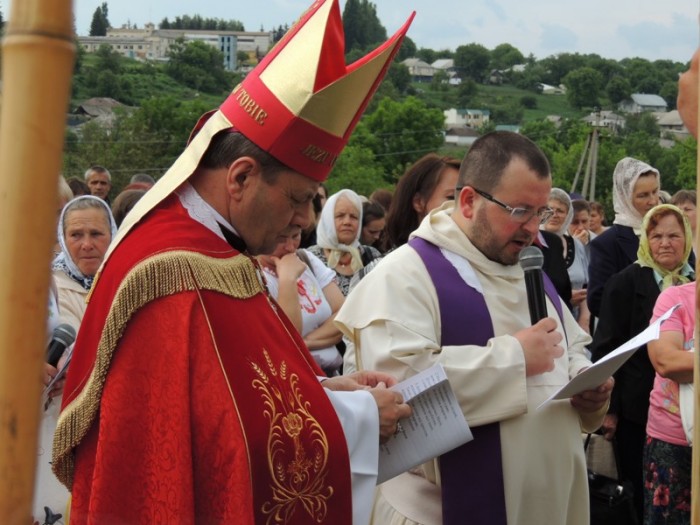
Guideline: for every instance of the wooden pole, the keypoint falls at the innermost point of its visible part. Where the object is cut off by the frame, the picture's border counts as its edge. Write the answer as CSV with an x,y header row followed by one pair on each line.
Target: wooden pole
x,y
37,60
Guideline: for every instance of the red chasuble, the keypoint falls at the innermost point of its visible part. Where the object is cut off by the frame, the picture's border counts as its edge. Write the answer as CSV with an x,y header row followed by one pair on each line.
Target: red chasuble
x,y
191,398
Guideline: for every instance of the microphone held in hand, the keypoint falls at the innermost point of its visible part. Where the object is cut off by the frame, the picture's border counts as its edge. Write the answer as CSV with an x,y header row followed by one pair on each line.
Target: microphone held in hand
x,y
63,336
531,261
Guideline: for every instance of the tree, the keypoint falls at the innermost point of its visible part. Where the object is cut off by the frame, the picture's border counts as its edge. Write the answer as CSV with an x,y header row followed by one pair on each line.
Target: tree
x,y
466,92
669,92
504,56
100,21
583,87
408,49
198,66
357,169
472,61
108,59
618,89
400,132
362,26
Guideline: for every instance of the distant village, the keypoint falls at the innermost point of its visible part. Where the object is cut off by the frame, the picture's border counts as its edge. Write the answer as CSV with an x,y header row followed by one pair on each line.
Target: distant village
x,y
461,124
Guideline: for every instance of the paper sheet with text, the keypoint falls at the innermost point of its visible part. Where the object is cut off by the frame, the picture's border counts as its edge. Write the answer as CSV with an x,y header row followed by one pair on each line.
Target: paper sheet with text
x,y
595,375
436,426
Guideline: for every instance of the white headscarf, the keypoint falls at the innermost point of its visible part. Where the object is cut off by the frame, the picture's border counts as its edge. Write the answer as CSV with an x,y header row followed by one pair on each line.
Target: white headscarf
x,y
560,195
625,176
63,260
327,236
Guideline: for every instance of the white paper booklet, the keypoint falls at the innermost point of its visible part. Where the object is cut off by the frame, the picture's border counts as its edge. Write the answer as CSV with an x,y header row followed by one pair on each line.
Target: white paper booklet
x,y
436,426
596,374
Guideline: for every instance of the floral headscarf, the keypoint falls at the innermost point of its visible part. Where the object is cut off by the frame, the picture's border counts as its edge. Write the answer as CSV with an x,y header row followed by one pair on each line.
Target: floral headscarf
x,y
678,275
560,195
63,260
625,176
327,236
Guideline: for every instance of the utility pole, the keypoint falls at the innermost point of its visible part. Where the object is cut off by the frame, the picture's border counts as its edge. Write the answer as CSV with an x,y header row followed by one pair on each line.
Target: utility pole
x,y
589,156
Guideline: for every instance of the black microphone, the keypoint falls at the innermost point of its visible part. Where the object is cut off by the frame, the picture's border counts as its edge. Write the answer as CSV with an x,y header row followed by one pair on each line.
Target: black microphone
x,y
63,336
531,261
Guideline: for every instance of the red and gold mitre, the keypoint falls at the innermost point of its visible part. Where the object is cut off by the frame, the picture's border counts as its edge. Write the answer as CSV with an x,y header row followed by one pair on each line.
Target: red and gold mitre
x,y
300,104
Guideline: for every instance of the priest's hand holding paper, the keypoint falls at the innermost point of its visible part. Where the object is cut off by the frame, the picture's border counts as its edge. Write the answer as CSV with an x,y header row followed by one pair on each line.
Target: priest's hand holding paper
x,y
594,399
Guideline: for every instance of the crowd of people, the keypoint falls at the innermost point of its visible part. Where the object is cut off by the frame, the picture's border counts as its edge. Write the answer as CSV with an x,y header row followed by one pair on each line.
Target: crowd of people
x,y
244,327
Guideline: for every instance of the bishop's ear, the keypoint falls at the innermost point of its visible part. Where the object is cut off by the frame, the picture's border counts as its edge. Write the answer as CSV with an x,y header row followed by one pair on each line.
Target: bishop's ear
x,y
241,174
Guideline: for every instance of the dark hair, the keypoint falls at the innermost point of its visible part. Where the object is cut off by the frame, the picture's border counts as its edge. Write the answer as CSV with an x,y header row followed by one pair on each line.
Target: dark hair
x,y
421,179
580,205
78,186
226,146
682,196
124,202
598,207
371,211
488,157
382,197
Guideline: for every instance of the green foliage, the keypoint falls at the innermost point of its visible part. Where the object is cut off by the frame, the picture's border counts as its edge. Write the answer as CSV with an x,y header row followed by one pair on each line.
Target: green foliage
x,y
466,92
108,60
399,76
146,140
100,21
686,172
400,132
197,22
362,26
583,87
618,89
669,92
528,101
504,56
408,49
358,170
644,123
198,65
472,61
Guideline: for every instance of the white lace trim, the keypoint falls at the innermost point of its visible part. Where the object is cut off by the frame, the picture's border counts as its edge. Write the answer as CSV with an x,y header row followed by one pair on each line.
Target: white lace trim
x,y
201,211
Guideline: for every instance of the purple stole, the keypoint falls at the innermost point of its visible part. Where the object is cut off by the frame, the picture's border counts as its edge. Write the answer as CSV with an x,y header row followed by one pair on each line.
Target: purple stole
x,y
472,474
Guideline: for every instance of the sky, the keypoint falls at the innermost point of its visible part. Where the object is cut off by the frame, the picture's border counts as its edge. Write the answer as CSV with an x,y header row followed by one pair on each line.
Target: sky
x,y
615,29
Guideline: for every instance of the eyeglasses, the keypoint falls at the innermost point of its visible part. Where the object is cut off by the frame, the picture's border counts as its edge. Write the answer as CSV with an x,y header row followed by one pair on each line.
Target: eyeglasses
x,y
519,215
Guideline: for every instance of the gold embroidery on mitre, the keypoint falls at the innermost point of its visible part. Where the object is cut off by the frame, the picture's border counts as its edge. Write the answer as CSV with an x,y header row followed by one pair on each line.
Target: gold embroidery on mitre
x,y
319,155
158,276
297,447
249,105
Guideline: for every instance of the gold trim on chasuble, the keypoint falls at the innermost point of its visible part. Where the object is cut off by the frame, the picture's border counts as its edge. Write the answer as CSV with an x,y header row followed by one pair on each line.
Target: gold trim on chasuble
x,y
158,276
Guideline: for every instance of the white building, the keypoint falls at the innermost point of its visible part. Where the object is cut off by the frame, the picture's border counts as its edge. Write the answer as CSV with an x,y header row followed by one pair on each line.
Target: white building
x,y
153,44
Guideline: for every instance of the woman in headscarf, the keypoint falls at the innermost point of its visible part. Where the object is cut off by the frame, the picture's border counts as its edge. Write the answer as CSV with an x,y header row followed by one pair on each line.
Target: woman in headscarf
x,y
626,309
574,252
85,229
636,187
338,238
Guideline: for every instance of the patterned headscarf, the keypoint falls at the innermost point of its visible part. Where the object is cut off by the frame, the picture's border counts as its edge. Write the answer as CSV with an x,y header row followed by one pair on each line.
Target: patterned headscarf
x,y
63,260
680,273
327,236
560,195
625,176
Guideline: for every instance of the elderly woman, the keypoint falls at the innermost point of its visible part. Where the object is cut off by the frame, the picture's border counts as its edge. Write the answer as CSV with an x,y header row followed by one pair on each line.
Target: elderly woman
x,y
574,252
85,229
636,188
305,288
626,309
338,238
667,451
